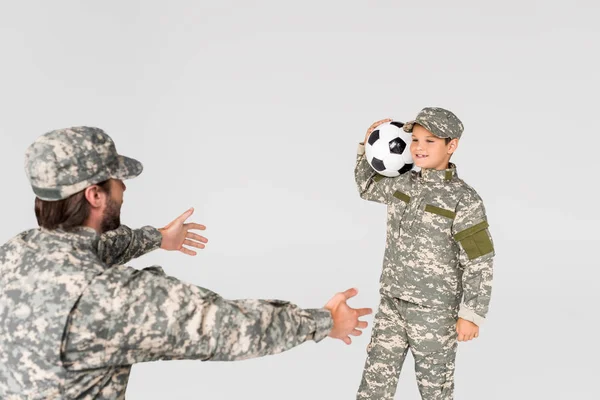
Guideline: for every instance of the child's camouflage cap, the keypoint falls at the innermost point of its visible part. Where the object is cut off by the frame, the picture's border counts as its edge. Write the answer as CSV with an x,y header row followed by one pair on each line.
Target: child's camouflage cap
x,y
442,123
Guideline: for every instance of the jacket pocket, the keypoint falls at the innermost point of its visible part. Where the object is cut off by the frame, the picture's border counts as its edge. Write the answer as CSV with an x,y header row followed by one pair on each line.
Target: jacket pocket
x,y
475,240
436,227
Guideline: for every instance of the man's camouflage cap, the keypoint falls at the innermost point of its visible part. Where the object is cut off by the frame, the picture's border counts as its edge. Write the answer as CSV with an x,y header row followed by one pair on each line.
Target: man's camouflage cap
x,y
63,162
442,123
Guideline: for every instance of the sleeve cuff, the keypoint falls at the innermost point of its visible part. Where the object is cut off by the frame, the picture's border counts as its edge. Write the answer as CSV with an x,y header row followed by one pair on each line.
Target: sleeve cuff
x,y
153,236
323,323
155,270
361,149
467,314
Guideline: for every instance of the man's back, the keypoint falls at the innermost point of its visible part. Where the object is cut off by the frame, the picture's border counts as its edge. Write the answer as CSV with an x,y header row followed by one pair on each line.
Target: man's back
x,y
74,318
42,274
72,325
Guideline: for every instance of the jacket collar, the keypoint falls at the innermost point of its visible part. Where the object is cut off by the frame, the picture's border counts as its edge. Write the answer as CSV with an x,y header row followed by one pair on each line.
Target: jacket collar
x,y
82,237
434,175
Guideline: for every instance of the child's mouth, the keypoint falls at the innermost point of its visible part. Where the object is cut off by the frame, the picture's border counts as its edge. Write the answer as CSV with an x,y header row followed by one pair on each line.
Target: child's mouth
x,y
421,156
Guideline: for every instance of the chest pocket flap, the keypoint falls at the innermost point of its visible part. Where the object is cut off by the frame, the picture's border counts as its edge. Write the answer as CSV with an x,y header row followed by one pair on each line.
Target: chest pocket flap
x,y
402,196
440,211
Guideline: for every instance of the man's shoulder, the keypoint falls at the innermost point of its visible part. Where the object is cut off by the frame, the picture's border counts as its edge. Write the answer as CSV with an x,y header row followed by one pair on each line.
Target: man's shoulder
x,y
21,238
35,251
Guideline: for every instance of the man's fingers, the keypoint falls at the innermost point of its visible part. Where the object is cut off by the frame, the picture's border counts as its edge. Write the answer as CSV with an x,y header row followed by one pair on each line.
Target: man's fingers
x,y
363,311
350,293
187,251
181,219
356,332
191,243
193,225
347,340
363,324
196,237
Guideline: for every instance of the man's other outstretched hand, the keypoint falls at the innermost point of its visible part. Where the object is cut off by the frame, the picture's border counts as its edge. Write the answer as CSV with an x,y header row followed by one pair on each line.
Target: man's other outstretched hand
x,y
345,318
177,234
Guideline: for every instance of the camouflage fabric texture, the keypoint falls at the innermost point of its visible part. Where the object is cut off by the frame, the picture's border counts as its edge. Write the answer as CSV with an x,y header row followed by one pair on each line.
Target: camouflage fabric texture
x,y
74,319
65,161
439,251
431,336
442,123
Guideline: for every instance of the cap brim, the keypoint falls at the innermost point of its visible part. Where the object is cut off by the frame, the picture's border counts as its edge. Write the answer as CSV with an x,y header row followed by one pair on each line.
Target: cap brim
x,y
126,168
408,127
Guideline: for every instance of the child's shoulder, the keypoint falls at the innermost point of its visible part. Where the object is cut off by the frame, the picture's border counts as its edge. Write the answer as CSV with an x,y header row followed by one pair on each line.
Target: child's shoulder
x,y
403,178
466,191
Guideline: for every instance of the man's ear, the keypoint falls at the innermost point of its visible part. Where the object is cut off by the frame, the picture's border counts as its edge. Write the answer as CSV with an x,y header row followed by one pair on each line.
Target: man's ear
x,y
95,196
452,146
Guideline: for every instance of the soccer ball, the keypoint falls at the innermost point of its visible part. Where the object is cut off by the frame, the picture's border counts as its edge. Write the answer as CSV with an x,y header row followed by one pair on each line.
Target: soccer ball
x,y
388,149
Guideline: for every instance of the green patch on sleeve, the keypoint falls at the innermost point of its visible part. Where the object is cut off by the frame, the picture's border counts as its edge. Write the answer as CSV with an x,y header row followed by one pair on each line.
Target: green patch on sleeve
x,y
378,177
475,240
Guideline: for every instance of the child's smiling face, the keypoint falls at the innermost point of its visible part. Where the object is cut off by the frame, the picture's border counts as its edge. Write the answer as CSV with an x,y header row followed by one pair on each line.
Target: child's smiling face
x,y
430,151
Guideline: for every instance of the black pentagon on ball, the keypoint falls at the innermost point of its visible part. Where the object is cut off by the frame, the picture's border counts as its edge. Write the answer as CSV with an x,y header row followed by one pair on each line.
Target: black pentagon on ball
x,y
405,168
397,146
397,124
373,137
377,164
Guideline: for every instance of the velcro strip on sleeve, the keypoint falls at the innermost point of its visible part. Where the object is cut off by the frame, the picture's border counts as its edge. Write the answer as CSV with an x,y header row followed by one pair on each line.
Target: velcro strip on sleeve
x,y
440,211
402,196
470,231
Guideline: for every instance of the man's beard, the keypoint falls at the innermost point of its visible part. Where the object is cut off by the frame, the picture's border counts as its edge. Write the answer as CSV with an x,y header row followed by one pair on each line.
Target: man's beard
x,y
111,219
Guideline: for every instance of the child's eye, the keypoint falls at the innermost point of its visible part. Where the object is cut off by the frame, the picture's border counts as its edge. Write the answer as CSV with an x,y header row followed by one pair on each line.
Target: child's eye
x,y
415,140
430,141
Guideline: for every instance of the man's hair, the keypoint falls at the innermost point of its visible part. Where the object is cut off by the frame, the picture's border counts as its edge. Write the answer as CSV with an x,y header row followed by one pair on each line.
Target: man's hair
x,y
68,213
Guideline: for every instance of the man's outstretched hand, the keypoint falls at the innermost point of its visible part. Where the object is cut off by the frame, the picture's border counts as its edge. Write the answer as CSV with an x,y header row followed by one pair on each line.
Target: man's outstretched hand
x,y
345,318
177,234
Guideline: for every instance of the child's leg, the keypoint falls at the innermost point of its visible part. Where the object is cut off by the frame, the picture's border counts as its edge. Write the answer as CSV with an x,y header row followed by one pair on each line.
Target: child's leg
x,y
433,342
385,353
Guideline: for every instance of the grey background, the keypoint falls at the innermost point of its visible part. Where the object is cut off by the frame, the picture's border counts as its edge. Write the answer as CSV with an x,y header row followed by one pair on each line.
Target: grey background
x,y
250,111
